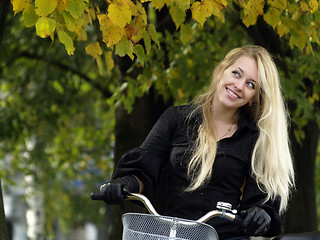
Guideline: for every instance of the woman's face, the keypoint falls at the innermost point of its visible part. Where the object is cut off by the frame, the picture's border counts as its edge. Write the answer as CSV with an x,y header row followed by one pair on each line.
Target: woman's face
x,y
238,84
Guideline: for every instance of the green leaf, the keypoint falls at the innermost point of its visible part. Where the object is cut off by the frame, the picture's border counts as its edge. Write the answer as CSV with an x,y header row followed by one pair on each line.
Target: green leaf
x,y
178,15
67,41
124,47
45,7
153,34
186,34
75,8
45,26
139,51
100,65
29,16
69,20
183,4
147,41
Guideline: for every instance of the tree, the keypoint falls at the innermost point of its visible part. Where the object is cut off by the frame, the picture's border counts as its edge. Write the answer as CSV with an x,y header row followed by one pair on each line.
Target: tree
x,y
4,6
154,55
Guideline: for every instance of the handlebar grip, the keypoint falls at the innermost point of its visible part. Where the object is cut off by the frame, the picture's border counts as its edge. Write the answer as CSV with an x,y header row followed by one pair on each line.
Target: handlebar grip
x,y
238,219
96,196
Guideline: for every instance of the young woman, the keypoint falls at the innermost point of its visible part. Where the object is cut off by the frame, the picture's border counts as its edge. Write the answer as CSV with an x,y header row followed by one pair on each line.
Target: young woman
x,y
230,144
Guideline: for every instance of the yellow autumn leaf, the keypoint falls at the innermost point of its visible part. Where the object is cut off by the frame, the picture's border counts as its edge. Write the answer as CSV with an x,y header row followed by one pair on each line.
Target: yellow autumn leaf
x,y
157,4
304,7
217,12
104,22
314,5
120,14
45,26
180,93
279,5
313,98
314,35
252,9
45,7
134,7
272,17
19,5
112,35
298,39
282,29
255,7
220,4
178,15
94,49
169,2
109,61
202,10
250,19
61,5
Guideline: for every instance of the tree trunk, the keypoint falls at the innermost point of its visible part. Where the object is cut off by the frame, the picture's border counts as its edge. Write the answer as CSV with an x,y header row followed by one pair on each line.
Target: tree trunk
x,y
302,212
4,8
3,223
131,130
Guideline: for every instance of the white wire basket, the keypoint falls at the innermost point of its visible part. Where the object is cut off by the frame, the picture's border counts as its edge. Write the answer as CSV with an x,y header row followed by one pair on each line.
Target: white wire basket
x,y
138,226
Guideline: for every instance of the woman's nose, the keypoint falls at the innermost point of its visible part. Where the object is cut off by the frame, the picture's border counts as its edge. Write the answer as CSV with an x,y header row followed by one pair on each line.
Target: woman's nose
x,y
239,84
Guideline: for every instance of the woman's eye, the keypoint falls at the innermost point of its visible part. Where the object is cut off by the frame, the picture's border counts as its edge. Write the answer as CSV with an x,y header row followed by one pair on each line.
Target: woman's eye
x,y
236,73
250,84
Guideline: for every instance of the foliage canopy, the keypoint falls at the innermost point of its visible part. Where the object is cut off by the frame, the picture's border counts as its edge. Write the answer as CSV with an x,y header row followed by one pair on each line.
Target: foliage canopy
x,y
126,28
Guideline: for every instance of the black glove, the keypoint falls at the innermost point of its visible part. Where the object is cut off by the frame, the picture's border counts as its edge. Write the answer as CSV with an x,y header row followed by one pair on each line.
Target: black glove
x,y
112,192
256,221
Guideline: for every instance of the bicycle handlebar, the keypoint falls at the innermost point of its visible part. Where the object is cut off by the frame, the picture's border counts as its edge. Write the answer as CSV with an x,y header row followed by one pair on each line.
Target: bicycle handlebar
x,y
223,209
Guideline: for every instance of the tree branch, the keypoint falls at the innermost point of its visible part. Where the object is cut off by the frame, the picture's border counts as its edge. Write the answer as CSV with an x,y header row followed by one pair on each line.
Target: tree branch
x,y
106,93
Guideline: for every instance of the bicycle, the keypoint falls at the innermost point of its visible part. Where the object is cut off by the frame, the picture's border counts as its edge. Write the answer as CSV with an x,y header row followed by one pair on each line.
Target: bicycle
x,y
154,226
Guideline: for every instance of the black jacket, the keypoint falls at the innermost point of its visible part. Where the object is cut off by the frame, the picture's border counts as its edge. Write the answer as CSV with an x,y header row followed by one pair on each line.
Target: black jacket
x,y
169,144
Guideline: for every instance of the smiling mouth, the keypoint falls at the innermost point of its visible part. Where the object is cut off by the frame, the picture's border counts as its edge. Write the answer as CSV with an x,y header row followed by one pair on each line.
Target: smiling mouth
x,y
232,93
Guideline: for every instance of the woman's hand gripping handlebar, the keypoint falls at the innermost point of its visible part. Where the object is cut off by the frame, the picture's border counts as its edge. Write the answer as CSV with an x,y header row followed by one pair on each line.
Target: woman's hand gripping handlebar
x,y
223,210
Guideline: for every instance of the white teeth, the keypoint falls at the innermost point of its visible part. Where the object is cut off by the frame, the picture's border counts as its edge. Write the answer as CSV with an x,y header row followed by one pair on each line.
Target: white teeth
x,y
232,94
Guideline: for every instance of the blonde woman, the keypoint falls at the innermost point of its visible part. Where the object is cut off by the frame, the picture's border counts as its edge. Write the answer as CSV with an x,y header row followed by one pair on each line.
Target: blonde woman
x,y
230,144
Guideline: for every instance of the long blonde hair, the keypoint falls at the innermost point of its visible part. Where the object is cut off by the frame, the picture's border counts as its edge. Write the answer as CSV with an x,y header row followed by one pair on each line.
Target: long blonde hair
x,y
271,163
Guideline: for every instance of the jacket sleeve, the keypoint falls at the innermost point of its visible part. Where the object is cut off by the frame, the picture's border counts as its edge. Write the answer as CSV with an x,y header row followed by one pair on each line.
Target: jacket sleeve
x,y
253,196
147,160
